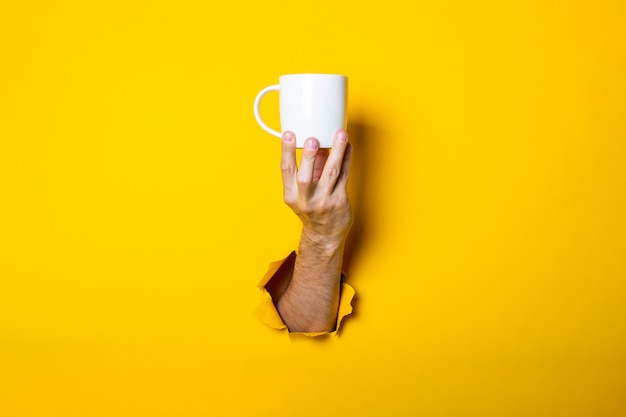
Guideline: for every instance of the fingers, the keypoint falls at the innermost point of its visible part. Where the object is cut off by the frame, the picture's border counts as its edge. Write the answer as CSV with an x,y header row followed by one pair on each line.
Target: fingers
x,y
342,182
288,161
334,165
304,175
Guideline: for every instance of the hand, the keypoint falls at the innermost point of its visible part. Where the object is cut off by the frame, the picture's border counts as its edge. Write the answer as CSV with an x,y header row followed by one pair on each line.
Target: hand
x,y
317,190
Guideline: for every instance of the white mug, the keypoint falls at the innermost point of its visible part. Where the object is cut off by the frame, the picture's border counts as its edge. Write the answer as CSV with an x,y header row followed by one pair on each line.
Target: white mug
x,y
311,105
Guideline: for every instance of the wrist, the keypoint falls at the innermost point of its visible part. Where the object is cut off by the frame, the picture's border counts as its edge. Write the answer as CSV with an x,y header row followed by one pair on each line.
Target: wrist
x,y
323,244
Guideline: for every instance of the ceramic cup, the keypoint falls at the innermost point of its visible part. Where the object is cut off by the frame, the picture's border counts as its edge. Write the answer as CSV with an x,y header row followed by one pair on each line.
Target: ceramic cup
x,y
311,105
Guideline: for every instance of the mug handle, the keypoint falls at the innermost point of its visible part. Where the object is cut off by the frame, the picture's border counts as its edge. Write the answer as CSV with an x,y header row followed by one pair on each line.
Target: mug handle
x,y
257,115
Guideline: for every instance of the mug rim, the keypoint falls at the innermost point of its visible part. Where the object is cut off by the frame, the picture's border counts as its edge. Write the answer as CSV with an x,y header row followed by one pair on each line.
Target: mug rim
x,y
313,74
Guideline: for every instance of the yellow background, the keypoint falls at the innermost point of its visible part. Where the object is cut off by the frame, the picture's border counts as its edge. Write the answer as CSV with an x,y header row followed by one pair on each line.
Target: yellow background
x,y
140,204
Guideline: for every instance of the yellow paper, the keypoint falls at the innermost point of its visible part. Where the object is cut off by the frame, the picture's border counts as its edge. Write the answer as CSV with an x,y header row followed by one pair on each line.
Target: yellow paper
x,y
267,313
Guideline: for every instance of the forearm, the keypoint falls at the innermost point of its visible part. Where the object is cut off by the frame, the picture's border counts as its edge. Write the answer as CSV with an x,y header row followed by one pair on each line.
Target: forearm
x,y
311,301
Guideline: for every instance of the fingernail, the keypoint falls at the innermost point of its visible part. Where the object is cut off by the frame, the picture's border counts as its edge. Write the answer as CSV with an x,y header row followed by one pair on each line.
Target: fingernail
x,y
287,137
342,136
311,144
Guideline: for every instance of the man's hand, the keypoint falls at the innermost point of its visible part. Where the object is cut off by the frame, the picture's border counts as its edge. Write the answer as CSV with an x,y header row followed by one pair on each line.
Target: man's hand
x,y
317,193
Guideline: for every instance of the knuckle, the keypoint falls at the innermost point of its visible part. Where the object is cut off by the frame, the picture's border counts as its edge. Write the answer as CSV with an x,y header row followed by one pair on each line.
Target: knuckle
x,y
289,199
308,156
327,206
333,173
286,168
307,209
339,203
325,210
303,181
